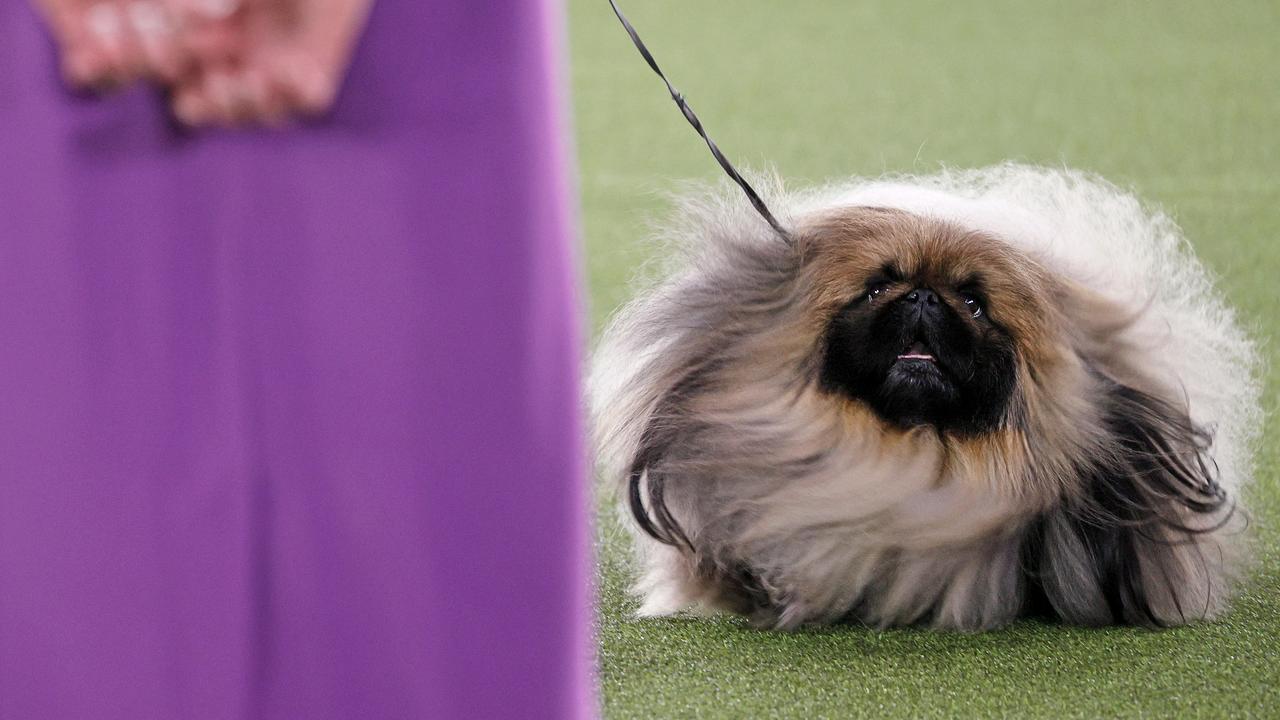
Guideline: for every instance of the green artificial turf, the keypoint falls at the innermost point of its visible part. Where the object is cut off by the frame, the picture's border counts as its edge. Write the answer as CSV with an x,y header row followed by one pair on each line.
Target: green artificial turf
x,y
1179,100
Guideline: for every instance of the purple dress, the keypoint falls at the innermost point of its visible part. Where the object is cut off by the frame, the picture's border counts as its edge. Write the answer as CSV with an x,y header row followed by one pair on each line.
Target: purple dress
x,y
289,420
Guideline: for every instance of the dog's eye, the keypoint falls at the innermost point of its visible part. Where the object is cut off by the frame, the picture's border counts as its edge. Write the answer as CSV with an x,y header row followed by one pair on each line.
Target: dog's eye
x,y
973,302
876,290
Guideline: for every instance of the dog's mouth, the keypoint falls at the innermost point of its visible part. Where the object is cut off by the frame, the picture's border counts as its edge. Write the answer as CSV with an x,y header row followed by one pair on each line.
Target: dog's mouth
x,y
918,352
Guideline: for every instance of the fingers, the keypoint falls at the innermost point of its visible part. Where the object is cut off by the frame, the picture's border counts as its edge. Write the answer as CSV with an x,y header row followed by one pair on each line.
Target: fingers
x,y
81,60
100,56
226,62
213,30
162,55
228,98
110,43
307,87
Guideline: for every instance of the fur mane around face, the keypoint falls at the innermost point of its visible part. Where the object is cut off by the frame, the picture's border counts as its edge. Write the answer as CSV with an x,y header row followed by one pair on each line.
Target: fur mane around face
x,y
1106,494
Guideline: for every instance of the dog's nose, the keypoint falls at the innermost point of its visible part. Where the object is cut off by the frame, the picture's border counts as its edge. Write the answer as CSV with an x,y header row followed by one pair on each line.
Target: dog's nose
x,y
923,295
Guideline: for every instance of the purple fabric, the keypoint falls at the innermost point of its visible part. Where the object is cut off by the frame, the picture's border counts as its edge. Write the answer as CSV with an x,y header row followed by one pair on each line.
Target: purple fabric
x,y
289,420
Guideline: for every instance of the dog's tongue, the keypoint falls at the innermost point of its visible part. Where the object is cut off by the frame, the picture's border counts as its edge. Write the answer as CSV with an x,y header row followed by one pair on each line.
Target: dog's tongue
x,y
917,351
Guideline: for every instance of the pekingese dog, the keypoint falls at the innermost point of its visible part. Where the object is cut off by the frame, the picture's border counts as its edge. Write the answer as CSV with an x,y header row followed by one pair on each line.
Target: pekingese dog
x,y
950,401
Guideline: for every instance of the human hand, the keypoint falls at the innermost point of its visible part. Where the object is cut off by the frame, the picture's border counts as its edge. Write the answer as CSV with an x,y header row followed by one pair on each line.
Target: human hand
x,y
225,61
289,58
107,44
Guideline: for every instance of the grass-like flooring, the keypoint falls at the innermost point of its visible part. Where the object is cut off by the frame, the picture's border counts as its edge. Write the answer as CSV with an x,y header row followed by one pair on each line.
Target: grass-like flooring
x,y
1178,100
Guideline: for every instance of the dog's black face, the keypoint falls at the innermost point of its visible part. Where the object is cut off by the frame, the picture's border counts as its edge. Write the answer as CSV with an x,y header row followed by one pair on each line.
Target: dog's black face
x,y
922,351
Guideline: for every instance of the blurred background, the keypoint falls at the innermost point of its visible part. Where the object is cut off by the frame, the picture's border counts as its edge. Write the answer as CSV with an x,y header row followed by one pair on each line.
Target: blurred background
x,y
1179,101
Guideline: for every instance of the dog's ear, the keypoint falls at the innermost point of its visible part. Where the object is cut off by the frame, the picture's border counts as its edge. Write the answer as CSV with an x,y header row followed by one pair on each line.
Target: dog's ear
x,y
646,478
1140,541
646,497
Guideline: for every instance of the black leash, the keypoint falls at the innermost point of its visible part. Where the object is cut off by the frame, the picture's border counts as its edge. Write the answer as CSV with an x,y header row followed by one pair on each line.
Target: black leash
x,y
697,125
